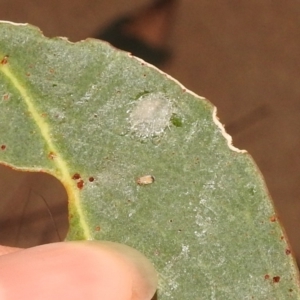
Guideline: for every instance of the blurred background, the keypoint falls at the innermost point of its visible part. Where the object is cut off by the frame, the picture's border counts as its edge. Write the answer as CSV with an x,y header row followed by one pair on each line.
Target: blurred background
x,y
241,55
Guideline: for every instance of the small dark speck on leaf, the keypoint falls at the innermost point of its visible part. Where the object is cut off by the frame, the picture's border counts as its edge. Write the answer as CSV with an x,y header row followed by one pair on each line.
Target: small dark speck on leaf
x,y
51,155
80,184
282,237
4,60
276,279
3,147
97,228
176,120
76,176
273,218
287,251
267,276
5,96
91,179
27,74
252,191
290,290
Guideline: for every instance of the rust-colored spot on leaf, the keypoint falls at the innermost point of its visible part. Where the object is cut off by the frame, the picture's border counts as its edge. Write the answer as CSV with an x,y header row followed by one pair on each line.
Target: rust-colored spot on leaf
x,y
97,228
5,96
80,184
273,218
267,276
51,155
91,179
287,251
3,147
76,176
276,279
4,60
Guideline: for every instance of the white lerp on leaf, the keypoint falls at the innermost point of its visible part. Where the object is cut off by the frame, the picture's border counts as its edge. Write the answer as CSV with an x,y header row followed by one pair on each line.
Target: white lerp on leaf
x,y
151,115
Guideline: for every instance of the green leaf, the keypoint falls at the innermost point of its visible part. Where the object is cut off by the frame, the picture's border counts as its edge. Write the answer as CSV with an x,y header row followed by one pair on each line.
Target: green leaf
x,y
104,124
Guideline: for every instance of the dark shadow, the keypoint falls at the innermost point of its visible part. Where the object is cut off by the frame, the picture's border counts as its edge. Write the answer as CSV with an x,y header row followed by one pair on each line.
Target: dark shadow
x,y
143,33
33,208
251,118
154,297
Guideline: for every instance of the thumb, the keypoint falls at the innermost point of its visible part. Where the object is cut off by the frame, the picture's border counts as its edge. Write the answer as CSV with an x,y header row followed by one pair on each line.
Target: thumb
x,y
76,270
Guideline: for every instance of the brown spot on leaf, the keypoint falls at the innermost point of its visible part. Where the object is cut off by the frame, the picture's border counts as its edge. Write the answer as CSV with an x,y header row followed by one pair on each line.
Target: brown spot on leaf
x,y
76,176
276,279
80,184
91,179
97,228
267,276
5,96
273,218
51,155
287,251
3,147
4,60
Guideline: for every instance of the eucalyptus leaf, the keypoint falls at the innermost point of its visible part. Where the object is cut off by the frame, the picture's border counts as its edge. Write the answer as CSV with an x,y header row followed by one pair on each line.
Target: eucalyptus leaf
x,y
145,163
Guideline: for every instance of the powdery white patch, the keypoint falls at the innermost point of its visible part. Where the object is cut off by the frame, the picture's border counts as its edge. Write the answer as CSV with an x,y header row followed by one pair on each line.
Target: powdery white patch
x,y
150,116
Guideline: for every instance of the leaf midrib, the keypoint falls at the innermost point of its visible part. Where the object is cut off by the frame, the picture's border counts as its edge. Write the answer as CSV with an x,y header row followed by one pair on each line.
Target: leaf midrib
x,y
64,176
